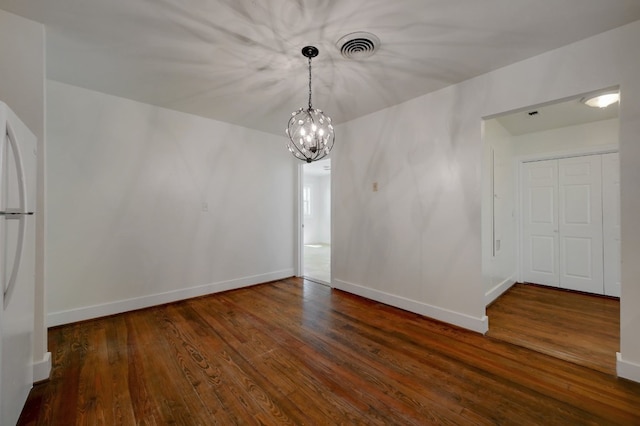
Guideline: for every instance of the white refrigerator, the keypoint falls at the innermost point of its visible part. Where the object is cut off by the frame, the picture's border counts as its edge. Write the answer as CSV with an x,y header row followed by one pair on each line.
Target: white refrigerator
x,y
17,263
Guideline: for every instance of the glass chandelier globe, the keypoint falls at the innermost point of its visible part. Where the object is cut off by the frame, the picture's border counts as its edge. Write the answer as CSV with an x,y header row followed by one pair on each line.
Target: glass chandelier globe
x,y
311,134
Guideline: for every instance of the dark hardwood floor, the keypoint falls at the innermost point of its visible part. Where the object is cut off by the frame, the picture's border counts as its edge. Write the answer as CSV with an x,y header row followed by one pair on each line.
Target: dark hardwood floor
x,y
577,327
296,352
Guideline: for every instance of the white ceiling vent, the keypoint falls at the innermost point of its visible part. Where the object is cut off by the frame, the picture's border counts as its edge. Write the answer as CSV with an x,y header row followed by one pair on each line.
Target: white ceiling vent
x,y
358,45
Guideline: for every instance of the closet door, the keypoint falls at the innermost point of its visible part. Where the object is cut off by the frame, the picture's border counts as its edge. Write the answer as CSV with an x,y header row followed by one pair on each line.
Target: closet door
x,y
580,223
611,223
540,222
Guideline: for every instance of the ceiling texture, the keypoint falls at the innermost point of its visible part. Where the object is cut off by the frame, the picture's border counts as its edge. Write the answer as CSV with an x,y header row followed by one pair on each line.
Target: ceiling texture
x,y
239,61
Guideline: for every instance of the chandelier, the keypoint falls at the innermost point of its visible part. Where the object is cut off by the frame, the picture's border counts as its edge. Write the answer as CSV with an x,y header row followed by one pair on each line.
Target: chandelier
x,y
310,132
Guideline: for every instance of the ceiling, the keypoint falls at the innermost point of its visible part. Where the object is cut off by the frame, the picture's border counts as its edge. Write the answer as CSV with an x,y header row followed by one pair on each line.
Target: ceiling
x,y
554,116
239,61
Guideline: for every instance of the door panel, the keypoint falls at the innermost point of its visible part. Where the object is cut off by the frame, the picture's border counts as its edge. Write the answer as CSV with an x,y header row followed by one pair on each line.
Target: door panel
x,y
576,203
611,223
580,223
577,255
543,254
540,222
543,205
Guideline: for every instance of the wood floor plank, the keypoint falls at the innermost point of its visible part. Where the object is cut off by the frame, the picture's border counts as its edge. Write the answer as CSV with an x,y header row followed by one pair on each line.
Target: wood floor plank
x,y
262,355
295,352
458,375
577,327
213,384
352,354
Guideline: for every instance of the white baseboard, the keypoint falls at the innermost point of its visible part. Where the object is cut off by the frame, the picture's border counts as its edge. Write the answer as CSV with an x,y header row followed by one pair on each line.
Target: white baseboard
x,y
626,369
42,368
497,291
480,325
117,307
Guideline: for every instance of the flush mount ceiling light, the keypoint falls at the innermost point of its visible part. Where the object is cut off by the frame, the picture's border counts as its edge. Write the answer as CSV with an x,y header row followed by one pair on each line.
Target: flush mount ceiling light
x,y
601,100
310,132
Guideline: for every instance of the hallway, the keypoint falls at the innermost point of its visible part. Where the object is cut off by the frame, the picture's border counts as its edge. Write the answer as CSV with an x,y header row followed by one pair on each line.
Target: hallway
x,y
317,262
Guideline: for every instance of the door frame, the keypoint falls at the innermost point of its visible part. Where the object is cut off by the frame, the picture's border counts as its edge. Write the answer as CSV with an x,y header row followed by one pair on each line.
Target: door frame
x,y
299,223
578,152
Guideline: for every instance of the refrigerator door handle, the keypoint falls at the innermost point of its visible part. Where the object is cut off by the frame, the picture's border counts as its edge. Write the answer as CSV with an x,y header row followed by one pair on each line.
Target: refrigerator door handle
x,y
22,193
13,214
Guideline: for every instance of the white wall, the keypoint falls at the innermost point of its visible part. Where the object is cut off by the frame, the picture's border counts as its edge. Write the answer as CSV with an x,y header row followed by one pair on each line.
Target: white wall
x,y
22,87
128,185
598,133
317,229
416,243
499,267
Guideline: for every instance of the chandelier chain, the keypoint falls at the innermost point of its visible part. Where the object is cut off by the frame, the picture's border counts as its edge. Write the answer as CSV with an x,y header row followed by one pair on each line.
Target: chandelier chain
x,y
309,82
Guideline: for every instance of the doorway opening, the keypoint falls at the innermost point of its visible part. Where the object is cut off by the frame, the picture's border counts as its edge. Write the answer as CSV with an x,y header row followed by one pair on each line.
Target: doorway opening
x,y
316,221
544,168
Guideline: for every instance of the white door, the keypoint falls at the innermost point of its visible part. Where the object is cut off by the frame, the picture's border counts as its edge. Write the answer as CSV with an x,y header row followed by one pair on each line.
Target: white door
x,y
580,223
611,223
540,222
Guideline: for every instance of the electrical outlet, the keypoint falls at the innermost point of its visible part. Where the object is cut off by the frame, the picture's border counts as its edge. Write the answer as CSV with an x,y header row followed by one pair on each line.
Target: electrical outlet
x,y
205,207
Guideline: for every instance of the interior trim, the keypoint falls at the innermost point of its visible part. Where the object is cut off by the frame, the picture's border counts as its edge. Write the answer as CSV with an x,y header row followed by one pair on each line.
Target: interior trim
x,y
626,369
480,325
42,368
120,306
491,295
